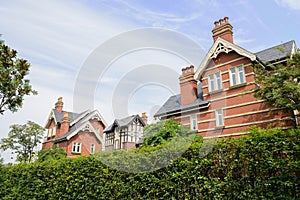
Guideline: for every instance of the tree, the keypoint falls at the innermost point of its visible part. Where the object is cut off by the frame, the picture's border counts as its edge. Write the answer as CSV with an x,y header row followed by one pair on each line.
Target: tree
x,y
1,160
163,131
53,153
13,84
22,140
279,84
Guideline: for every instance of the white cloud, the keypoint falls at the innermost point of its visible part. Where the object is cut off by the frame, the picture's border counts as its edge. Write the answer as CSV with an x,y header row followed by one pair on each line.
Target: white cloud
x,y
292,4
55,37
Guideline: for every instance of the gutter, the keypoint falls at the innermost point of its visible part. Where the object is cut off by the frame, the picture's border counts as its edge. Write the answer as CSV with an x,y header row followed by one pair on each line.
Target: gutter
x,y
182,111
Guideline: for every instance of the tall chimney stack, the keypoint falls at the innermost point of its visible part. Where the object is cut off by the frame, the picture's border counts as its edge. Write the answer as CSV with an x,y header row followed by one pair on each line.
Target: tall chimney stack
x,y
59,105
144,118
65,124
188,86
223,29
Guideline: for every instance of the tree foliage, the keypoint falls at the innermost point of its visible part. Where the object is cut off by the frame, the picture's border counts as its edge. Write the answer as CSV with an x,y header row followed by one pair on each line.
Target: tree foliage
x,y
13,83
264,165
279,84
163,131
53,153
22,140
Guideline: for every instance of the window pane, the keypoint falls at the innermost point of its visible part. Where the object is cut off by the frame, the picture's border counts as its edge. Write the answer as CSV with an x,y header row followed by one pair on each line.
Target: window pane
x,y
211,83
219,117
78,147
193,122
241,74
218,80
233,76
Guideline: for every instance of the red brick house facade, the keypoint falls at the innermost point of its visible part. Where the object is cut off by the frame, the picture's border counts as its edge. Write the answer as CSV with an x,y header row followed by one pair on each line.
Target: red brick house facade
x,y
218,99
76,133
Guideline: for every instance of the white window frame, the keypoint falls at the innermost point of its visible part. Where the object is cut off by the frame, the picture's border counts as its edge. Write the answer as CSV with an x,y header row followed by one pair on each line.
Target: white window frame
x,y
54,131
219,117
237,75
76,147
92,148
215,82
193,122
49,132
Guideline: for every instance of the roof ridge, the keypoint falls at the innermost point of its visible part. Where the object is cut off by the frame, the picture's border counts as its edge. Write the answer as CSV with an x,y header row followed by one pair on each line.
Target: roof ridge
x,y
275,46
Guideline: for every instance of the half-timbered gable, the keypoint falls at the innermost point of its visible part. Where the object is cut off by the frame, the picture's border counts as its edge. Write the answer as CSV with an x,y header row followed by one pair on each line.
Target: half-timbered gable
x,y
124,133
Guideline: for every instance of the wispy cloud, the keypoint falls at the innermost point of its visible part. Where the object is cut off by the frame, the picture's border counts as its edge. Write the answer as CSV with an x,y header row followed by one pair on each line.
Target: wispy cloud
x,y
159,19
292,4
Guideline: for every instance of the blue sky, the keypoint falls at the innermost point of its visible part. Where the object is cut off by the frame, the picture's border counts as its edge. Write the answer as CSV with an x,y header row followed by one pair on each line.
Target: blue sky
x,y
57,37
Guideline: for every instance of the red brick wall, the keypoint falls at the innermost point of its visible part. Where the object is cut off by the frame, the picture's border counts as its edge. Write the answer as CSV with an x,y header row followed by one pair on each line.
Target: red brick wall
x,y
47,145
128,145
86,139
98,124
241,109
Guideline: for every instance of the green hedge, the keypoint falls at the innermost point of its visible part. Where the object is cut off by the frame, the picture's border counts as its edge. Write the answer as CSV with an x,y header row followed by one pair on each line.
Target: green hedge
x,y
264,165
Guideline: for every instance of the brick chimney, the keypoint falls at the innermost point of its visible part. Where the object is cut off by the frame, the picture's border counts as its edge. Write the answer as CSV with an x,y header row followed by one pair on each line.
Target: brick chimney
x,y
65,124
59,105
145,118
188,86
223,29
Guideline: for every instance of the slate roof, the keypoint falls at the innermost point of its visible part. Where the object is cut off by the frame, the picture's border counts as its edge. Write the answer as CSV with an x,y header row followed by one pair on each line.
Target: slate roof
x,y
276,53
73,117
122,122
59,116
173,104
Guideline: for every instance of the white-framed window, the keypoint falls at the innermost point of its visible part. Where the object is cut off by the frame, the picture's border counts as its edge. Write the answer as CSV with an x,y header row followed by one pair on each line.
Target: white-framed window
x,y
76,148
117,146
193,122
237,75
92,148
49,132
219,118
214,82
54,131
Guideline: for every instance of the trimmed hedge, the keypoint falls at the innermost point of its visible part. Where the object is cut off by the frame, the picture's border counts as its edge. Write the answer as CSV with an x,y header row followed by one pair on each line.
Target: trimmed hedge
x,y
264,165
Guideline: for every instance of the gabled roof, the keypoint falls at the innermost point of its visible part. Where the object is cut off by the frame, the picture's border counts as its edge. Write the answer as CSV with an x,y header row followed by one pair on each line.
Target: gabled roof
x,y
218,47
86,125
277,52
81,122
123,122
56,116
173,105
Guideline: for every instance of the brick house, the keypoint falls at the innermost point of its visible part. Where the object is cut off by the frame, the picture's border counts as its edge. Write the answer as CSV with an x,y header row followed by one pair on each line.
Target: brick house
x,y
76,133
125,133
217,100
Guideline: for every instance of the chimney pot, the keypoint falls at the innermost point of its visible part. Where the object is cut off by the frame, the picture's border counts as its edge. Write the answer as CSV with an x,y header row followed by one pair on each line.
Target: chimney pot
x,y
216,23
221,21
226,19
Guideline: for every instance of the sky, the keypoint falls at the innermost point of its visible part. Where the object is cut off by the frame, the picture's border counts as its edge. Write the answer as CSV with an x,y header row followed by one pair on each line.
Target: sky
x,y
124,57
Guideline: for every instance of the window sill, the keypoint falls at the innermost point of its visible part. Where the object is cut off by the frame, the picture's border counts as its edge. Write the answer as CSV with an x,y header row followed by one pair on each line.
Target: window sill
x,y
219,127
238,85
76,152
215,91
